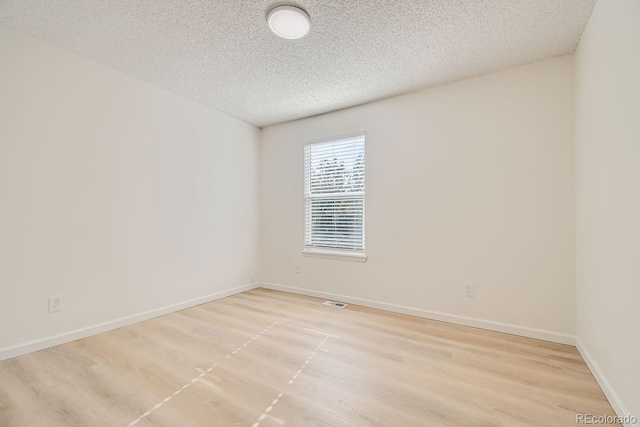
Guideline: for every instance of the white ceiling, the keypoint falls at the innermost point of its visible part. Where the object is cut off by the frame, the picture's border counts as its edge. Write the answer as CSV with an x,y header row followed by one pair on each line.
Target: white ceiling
x,y
222,54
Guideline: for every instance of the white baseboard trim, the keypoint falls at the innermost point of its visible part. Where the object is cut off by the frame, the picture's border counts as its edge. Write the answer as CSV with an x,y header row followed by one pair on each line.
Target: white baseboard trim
x,y
54,340
615,401
525,331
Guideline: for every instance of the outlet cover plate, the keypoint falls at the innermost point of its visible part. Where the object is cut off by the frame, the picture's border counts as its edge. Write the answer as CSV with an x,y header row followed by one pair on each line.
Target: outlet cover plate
x,y
468,290
55,303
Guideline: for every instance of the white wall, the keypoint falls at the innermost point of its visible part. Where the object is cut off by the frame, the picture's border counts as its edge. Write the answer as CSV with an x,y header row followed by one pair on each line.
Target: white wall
x,y
117,194
467,182
608,199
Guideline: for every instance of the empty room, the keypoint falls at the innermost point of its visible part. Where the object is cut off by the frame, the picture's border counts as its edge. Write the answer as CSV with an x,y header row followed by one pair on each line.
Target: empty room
x,y
256,213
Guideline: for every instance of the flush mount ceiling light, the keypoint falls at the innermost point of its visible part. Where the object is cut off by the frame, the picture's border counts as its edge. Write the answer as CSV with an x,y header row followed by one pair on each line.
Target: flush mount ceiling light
x,y
289,22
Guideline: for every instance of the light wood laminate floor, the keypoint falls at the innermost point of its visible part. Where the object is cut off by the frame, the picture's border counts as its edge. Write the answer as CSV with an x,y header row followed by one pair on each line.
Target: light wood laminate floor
x,y
272,359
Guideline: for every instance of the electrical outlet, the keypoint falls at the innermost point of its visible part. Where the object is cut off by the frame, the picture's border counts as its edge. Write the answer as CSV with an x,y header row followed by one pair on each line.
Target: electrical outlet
x,y
468,290
296,268
55,303
252,279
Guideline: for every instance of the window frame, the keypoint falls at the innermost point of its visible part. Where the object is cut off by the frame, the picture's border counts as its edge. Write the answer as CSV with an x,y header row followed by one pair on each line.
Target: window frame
x,y
357,255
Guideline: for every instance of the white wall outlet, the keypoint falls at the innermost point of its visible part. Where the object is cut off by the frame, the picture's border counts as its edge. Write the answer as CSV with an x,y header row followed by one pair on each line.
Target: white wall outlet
x,y
252,279
55,303
296,268
468,290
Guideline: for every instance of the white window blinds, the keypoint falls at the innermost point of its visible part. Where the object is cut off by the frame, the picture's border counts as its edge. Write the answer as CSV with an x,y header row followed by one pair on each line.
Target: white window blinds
x,y
334,194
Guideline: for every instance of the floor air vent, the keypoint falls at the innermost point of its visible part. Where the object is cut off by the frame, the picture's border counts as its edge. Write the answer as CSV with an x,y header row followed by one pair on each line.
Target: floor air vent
x,y
335,304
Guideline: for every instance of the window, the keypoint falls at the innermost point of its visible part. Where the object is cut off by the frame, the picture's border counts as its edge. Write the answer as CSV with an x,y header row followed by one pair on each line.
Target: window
x,y
334,195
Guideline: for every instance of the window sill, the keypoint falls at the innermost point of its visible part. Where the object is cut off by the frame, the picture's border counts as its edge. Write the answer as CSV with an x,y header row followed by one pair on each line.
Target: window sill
x,y
338,255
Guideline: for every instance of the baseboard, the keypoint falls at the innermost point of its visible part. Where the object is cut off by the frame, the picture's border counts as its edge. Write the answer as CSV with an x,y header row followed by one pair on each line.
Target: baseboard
x,y
609,392
54,340
525,331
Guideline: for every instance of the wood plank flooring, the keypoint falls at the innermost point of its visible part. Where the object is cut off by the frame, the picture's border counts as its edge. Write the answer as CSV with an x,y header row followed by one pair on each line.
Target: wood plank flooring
x,y
272,359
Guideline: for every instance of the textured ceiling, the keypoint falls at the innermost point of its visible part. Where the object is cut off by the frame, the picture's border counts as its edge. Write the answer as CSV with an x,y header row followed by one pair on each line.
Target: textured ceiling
x,y
222,54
